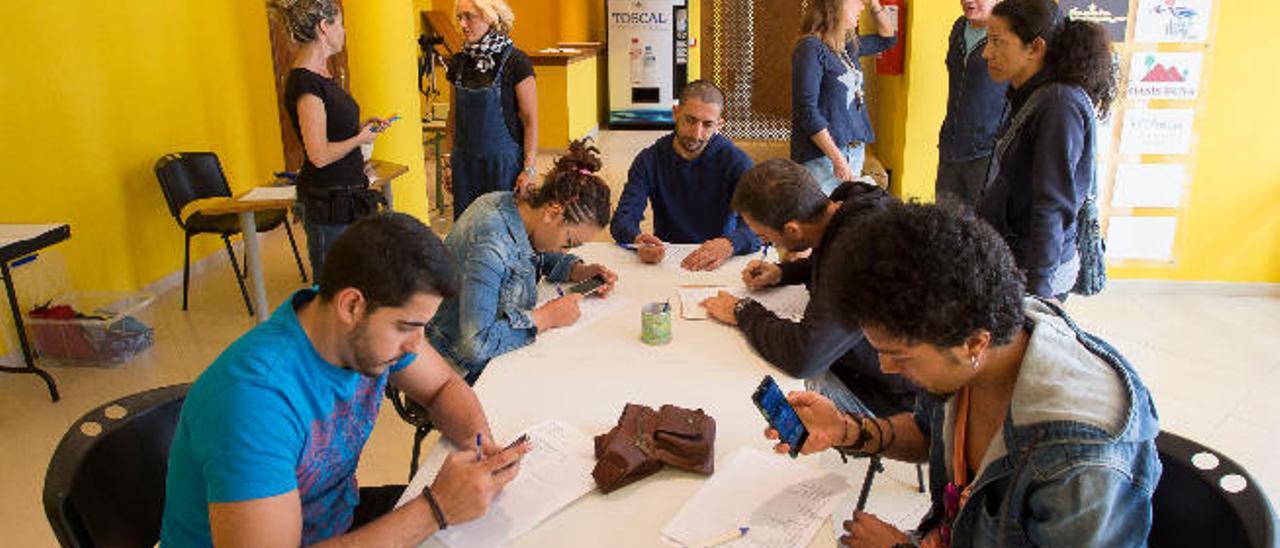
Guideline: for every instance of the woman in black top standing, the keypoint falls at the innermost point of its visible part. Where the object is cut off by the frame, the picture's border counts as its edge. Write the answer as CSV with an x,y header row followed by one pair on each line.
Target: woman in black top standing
x,y
333,184
1043,166
494,119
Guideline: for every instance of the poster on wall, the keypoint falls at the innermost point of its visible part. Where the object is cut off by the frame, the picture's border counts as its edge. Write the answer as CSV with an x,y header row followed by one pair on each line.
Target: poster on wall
x,y
1113,15
1165,75
1156,131
1182,21
1141,238
641,62
1149,185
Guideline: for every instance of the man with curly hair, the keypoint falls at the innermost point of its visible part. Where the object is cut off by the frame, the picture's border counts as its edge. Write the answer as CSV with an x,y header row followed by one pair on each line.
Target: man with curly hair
x,y
1036,432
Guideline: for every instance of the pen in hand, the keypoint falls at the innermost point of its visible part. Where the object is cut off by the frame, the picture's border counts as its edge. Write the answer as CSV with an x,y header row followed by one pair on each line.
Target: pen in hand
x,y
479,451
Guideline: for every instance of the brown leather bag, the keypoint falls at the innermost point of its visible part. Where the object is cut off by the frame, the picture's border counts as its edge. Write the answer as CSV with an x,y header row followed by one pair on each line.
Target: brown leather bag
x,y
685,439
643,440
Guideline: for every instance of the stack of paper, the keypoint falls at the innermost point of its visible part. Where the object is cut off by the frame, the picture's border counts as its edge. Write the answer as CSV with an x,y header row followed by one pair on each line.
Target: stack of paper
x,y
555,473
782,502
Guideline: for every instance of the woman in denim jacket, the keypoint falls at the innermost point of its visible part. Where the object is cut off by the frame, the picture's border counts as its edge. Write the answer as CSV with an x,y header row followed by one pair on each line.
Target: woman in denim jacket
x,y
1037,433
505,245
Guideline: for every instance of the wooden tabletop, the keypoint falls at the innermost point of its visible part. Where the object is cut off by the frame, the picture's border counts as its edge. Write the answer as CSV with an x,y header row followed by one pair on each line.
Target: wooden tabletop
x,y
384,173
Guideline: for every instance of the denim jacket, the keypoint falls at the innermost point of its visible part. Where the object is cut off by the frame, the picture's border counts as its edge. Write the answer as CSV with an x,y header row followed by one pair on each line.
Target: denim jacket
x,y
1076,462
492,314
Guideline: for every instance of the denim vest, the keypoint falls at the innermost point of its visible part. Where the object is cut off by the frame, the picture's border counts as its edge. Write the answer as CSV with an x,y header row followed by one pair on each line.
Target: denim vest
x,y
500,272
1060,482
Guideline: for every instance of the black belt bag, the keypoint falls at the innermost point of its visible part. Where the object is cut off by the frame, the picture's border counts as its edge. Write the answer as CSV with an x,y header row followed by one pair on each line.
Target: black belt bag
x,y
342,205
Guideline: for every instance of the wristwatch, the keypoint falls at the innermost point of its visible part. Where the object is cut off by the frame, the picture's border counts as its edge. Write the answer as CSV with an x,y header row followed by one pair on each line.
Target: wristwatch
x,y
741,305
531,171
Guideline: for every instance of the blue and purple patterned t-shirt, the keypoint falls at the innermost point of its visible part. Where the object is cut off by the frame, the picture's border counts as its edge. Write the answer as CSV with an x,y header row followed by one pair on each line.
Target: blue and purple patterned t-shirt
x,y
270,415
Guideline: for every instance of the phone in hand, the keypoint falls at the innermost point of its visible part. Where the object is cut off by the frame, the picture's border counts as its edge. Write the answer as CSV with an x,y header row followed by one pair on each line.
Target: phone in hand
x,y
378,128
588,286
781,416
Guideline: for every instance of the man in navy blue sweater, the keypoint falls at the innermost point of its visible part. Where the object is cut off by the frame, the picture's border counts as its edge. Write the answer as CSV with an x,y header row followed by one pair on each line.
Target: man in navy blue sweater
x,y
689,176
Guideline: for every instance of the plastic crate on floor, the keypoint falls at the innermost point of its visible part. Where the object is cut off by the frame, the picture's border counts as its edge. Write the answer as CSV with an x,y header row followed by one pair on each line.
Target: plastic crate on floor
x,y
111,334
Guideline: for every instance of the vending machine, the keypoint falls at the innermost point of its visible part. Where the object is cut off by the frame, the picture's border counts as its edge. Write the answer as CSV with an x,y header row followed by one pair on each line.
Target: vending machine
x,y
648,44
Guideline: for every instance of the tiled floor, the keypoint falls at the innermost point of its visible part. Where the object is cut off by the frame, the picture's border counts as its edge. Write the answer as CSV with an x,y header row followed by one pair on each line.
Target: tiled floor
x,y
1208,360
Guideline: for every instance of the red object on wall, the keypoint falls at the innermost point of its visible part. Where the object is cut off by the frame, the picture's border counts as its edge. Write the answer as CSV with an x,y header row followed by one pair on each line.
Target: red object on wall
x,y
890,62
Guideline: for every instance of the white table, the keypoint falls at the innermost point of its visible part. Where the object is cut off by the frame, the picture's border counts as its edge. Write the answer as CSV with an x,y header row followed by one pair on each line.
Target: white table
x,y
16,241
246,209
584,379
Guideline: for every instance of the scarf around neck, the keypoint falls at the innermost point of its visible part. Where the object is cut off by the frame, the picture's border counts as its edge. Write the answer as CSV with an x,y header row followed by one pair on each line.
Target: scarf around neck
x,y
485,50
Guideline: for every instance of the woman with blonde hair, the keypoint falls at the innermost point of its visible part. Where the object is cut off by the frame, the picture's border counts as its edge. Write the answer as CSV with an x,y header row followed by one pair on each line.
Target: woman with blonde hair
x,y
494,119
829,123
332,184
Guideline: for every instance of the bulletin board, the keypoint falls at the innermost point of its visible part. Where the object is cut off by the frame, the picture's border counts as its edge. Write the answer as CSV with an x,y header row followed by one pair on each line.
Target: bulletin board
x,y
1147,146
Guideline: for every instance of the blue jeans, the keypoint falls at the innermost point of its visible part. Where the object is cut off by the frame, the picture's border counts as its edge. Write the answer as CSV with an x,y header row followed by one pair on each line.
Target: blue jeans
x,y
832,388
825,173
319,238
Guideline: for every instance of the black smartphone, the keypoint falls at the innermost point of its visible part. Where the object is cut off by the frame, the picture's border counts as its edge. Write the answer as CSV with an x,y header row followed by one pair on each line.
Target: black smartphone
x,y
587,286
777,410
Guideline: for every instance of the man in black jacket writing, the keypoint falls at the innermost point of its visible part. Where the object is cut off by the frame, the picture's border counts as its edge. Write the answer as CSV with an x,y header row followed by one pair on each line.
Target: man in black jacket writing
x,y
782,204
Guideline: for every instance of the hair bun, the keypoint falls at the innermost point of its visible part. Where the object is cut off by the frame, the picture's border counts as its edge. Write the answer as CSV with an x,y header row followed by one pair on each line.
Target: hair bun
x,y
583,158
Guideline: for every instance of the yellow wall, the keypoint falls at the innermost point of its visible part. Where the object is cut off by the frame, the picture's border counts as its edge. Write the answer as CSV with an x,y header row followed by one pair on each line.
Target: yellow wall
x,y
383,56
95,92
568,102
1231,229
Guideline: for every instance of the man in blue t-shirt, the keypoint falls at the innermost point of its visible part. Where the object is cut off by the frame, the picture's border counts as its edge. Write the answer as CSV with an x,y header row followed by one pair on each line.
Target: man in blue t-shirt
x,y
270,435
689,176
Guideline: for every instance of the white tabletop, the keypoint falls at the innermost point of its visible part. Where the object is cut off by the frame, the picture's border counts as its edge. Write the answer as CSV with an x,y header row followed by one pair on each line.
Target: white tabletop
x,y
585,378
10,233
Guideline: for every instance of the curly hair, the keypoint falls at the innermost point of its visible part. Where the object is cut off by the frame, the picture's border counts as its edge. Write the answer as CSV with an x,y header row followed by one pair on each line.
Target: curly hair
x,y
573,184
823,16
1077,53
302,16
496,13
927,274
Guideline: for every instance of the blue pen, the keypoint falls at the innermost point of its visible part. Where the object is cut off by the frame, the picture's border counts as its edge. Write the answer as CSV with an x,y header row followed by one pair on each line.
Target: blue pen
x,y
559,291
479,453
764,251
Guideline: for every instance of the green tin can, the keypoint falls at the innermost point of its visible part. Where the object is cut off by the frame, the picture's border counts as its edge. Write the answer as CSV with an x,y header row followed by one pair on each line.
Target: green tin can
x,y
655,323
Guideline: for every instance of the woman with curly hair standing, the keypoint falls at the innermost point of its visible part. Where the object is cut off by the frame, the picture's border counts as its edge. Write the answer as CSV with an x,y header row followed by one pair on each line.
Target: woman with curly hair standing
x,y
1042,170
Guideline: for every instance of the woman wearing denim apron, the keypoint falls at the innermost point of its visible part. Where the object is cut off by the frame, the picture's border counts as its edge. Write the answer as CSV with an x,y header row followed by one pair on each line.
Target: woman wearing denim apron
x,y
829,123
494,116
332,183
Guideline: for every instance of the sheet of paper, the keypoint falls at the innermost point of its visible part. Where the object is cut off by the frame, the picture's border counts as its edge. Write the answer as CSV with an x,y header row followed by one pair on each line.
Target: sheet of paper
x,y
782,501
1183,21
894,496
270,194
1143,238
1165,75
593,308
553,475
787,302
1150,131
1149,185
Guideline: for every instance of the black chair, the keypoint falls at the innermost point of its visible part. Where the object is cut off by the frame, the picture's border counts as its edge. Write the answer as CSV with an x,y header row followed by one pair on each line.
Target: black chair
x,y
1207,499
105,483
414,414
188,176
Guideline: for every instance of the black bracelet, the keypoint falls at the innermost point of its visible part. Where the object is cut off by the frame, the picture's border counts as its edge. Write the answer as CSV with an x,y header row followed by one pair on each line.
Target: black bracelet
x,y
893,436
435,507
864,435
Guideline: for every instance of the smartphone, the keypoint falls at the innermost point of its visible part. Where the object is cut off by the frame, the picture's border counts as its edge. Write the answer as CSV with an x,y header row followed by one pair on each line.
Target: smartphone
x,y
588,286
389,120
782,417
